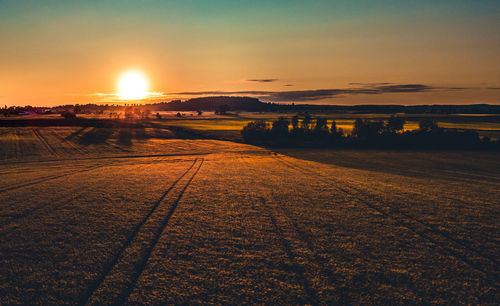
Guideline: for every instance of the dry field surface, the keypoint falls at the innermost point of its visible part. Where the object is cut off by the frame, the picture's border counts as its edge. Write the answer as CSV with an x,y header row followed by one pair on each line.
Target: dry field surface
x,y
100,216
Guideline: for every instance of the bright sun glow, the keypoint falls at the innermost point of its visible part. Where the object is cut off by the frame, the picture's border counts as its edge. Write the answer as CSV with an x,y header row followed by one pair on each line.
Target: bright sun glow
x,y
132,85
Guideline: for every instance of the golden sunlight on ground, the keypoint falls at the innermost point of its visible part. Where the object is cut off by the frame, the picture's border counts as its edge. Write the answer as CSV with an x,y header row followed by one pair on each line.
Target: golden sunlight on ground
x,y
133,85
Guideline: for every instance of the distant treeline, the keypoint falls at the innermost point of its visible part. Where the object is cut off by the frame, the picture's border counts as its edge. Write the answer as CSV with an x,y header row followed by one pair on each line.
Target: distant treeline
x,y
213,104
309,132
223,104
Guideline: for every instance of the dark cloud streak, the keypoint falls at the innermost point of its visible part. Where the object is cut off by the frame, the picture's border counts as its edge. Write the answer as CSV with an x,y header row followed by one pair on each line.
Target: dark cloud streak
x,y
368,84
320,94
263,80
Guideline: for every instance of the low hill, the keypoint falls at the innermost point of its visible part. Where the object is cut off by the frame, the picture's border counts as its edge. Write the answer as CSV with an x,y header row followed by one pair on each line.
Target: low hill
x,y
254,104
212,104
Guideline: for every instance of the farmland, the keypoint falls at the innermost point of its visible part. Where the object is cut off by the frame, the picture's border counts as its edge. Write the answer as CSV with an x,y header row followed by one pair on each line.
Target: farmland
x,y
229,126
98,215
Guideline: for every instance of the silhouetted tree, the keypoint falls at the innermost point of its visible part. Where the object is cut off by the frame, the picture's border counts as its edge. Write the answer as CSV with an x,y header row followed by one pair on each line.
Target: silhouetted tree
x,y
129,112
280,127
358,127
367,130
428,126
77,109
295,122
255,131
321,124
68,115
306,122
336,133
395,124
333,127
320,131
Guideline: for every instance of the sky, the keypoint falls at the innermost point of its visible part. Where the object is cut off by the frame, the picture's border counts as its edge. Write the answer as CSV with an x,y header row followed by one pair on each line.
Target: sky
x,y
321,52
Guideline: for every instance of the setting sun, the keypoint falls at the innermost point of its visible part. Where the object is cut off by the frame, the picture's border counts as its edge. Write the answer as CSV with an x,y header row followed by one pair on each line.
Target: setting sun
x,y
132,85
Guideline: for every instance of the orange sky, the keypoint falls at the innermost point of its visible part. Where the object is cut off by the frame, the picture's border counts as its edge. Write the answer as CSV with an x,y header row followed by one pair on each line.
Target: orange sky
x,y
57,52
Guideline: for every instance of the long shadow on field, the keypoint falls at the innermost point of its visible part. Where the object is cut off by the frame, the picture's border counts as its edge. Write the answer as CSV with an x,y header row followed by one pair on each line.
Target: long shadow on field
x,y
75,133
125,137
140,133
128,134
457,166
95,136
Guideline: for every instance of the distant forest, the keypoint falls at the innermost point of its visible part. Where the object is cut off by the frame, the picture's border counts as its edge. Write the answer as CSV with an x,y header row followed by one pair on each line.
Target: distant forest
x,y
223,104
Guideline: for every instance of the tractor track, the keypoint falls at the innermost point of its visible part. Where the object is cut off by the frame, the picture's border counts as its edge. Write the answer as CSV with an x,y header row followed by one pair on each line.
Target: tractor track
x,y
68,199
6,226
290,165
447,244
459,177
16,148
305,282
100,158
53,177
69,141
44,142
298,268
366,194
120,275
46,179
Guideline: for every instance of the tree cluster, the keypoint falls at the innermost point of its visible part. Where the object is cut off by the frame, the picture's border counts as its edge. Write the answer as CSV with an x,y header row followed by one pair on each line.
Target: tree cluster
x,y
304,131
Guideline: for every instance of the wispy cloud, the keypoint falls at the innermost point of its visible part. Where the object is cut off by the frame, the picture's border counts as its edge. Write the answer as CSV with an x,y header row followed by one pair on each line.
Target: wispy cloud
x,y
262,80
368,84
403,88
299,95
319,94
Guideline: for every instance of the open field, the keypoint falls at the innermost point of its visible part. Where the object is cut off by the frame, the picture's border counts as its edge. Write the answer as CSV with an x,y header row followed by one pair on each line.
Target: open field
x,y
138,215
229,126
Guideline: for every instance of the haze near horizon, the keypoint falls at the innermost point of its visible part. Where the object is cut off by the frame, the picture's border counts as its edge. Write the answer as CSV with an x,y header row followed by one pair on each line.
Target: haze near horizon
x,y
321,52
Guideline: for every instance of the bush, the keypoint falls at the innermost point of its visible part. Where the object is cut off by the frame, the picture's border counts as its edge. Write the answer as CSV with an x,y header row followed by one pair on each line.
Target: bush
x,y
366,130
295,122
306,122
68,115
255,131
222,110
395,124
280,128
428,126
